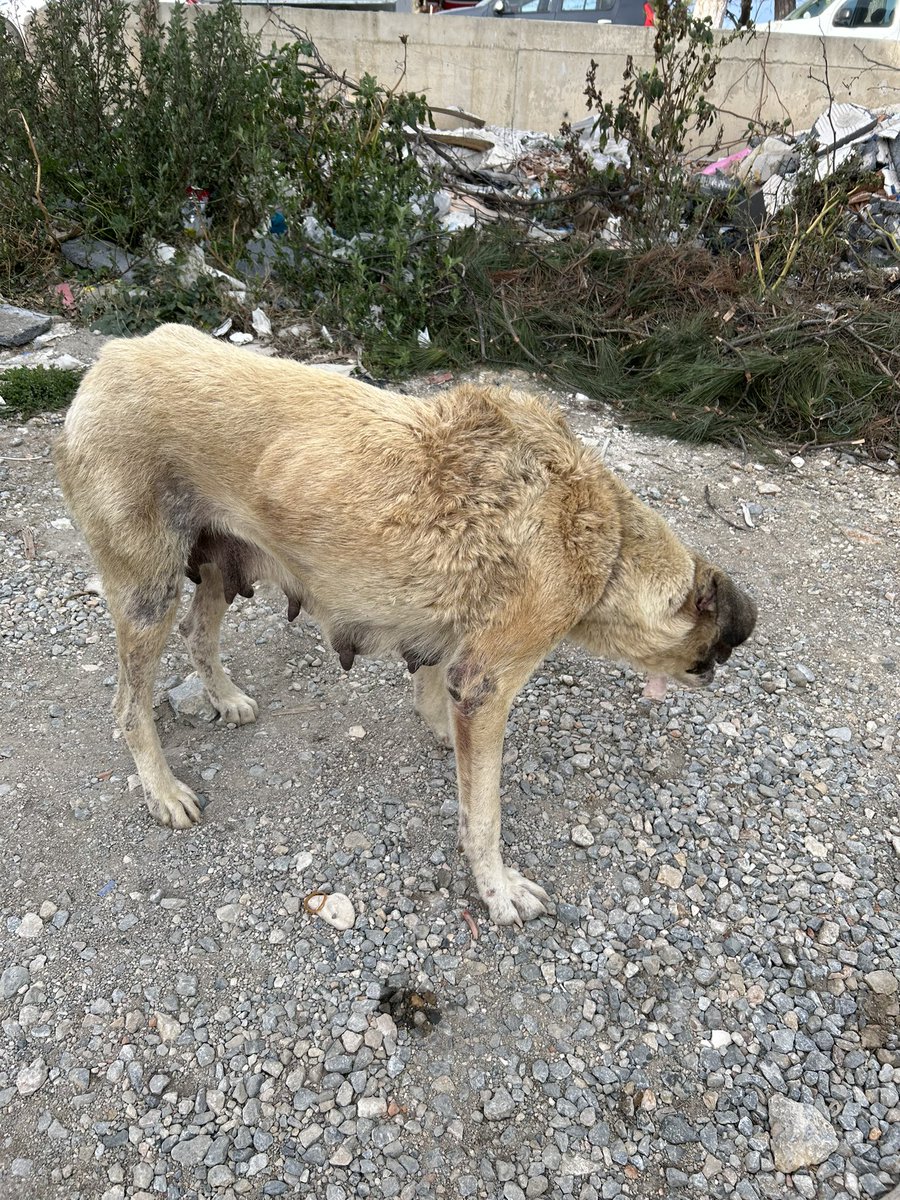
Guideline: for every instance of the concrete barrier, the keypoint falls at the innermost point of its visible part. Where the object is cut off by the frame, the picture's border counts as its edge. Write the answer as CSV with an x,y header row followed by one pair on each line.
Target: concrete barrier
x,y
531,74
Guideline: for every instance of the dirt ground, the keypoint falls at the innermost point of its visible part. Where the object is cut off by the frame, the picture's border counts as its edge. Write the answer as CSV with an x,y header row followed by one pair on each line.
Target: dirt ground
x,y
817,541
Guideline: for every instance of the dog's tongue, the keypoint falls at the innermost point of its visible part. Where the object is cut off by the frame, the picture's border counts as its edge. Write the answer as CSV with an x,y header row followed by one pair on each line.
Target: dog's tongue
x,y
655,687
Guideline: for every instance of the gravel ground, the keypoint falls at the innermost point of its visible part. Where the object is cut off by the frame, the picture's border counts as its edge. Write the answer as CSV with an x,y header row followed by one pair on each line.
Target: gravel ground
x,y
724,866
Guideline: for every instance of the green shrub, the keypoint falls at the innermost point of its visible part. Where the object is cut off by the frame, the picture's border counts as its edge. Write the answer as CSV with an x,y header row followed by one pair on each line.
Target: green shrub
x,y
122,116
30,390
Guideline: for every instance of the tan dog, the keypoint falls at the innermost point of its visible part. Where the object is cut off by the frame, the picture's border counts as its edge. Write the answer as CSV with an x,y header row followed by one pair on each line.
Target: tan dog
x,y
467,535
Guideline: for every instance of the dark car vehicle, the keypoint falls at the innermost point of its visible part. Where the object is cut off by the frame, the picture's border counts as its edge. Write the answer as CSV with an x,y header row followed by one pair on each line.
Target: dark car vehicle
x,y
599,12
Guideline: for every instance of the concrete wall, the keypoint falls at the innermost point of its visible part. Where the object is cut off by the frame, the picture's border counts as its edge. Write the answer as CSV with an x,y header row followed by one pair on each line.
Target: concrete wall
x,y
530,74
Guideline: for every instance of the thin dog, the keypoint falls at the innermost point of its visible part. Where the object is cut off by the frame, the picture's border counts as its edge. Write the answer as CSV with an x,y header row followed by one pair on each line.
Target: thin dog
x,y
468,535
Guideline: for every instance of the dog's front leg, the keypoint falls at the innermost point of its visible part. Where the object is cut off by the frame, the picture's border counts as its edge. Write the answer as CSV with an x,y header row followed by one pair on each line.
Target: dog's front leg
x,y
481,700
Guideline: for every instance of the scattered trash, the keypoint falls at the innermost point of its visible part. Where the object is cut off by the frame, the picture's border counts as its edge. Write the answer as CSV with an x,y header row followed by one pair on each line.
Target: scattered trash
x,y
335,908
64,291
470,921
222,329
68,362
193,211
240,339
722,165
764,161
261,323
423,337
108,887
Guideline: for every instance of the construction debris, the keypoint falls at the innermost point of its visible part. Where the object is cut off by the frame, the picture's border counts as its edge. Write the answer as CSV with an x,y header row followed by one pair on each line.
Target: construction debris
x,y
492,172
19,326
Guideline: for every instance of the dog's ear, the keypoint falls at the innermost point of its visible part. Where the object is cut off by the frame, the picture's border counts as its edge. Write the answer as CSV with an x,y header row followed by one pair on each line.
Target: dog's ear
x,y
717,594
705,593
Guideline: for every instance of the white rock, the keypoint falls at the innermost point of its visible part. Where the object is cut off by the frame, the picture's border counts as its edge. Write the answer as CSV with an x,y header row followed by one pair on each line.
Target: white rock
x,y
768,489
337,910
371,1107
356,731
31,926
576,1165
303,862
800,1135
31,1078
814,847
720,1038
670,876
582,836
228,913
882,983
167,1027
829,933
67,362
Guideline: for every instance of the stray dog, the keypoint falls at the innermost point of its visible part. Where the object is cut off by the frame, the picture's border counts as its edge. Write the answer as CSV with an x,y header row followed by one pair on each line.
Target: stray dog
x,y
467,535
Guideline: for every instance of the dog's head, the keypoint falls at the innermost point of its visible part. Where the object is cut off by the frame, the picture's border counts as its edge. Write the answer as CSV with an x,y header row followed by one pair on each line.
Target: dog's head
x,y
678,630
720,616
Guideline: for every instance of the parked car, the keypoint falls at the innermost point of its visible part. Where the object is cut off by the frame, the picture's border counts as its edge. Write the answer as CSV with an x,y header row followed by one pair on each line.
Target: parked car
x,y
15,15
869,19
598,12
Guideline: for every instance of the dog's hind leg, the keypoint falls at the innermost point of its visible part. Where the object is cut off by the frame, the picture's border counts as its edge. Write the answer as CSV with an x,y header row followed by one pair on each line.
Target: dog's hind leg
x,y
433,703
200,629
143,623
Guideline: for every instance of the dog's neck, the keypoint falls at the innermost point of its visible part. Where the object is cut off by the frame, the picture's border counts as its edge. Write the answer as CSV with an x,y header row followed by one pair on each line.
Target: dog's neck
x,y
647,586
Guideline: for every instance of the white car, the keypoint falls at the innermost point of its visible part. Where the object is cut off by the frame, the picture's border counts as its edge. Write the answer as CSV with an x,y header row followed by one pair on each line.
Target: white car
x,y
868,19
15,15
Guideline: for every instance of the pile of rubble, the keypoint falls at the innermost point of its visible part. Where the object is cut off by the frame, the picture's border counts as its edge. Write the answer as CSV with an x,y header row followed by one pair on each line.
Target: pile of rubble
x,y
491,172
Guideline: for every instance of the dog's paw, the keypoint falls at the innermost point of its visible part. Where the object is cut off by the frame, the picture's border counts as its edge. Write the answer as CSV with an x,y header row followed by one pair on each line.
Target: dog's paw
x,y
176,805
514,899
236,707
443,737
439,725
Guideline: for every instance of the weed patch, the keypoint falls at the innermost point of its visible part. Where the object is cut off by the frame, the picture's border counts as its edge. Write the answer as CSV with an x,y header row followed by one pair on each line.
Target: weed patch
x,y
30,390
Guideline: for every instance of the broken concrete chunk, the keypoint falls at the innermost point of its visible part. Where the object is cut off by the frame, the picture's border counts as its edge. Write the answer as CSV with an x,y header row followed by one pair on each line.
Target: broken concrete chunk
x,y
778,193
97,255
19,326
841,124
